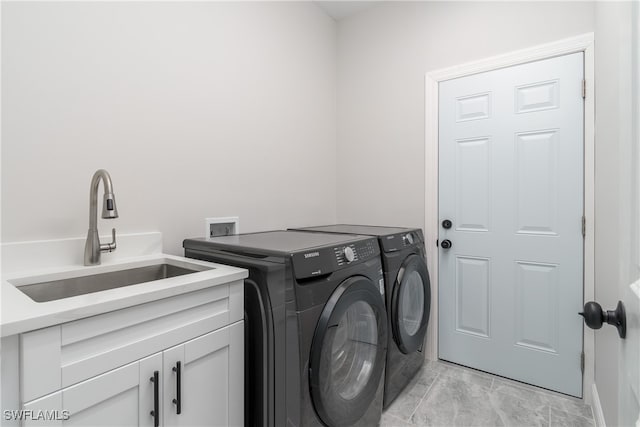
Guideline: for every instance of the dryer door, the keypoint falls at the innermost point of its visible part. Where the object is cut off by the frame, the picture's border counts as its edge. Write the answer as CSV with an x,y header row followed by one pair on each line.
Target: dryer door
x,y
411,304
348,352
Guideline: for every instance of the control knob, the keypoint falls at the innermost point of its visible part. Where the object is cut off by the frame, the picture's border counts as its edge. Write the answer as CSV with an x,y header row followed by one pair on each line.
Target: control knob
x,y
408,238
348,253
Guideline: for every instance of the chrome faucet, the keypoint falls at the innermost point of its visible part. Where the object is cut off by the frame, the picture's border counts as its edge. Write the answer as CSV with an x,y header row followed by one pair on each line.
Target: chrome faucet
x,y
93,248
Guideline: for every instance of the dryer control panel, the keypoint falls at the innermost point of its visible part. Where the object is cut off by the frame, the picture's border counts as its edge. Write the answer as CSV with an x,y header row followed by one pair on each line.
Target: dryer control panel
x,y
399,241
322,261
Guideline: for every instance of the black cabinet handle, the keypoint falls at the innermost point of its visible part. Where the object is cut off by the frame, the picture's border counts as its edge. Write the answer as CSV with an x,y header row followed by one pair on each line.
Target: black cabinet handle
x,y
155,379
176,401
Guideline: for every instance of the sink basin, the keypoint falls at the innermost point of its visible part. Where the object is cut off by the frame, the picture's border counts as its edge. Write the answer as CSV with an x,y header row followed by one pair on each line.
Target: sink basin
x,y
73,286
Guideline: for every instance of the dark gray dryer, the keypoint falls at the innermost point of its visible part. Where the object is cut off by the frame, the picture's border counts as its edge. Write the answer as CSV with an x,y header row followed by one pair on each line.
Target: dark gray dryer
x,y
408,298
315,325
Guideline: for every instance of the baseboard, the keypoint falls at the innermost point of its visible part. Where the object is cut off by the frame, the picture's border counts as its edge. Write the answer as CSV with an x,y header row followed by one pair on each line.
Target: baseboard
x,y
596,407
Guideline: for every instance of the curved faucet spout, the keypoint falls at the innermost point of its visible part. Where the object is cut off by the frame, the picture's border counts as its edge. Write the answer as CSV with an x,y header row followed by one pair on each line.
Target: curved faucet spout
x,y
109,206
93,248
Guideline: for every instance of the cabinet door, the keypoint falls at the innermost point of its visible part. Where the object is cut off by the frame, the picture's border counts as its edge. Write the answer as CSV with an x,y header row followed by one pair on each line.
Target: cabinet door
x,y
211,385
122,397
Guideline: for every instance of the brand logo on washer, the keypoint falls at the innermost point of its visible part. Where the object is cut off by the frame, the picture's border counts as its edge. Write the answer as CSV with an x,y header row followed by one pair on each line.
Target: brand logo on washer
x,y
312,254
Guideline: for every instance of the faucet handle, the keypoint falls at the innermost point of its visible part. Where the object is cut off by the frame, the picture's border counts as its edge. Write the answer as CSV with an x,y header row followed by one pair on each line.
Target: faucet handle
x,y
110,247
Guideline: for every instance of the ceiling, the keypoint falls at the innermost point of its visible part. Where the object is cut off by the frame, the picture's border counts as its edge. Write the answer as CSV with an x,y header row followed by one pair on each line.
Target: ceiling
x,y
343,9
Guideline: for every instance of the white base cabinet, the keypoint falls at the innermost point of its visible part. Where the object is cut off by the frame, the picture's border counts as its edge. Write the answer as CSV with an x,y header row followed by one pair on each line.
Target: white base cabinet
x,y
206,389
101,371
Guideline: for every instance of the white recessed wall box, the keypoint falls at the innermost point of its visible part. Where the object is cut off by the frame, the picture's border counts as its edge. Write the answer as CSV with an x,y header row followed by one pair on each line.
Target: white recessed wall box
x,y
223,226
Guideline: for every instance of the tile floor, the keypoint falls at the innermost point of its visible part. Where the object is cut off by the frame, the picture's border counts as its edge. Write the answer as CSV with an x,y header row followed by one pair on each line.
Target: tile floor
x,y
444,394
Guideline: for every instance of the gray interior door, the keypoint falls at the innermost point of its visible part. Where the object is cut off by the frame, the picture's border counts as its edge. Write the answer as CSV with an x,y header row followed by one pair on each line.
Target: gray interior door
x,y
511,183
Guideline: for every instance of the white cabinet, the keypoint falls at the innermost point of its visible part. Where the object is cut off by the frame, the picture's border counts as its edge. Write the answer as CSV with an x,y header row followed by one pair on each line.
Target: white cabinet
x,y
97,371
121,397
207,386
211,371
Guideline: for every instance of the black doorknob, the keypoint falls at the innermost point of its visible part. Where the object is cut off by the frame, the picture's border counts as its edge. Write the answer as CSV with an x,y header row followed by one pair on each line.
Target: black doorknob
x,y
446,224
595,316
446,244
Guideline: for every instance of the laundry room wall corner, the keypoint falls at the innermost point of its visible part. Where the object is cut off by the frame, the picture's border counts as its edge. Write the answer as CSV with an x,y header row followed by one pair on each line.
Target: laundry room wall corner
x,y
383,56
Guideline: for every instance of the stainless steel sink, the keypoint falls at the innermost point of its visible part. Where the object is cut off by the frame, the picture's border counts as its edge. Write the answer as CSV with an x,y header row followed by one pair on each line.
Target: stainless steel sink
x,y
71,287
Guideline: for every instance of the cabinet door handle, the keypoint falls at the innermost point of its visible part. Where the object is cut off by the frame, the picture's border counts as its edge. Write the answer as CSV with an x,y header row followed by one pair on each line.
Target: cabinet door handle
x,y
155,379
177,369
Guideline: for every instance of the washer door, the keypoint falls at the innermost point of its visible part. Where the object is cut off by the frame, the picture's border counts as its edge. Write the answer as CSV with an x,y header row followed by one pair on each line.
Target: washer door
x,y
411,304
348,352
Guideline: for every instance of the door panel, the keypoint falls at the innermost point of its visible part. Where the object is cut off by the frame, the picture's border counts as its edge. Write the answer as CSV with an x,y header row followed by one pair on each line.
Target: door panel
x,y
118,410
511,181
147,367
473,189
51,402
537,306
169,378
537,97
472,295
473,107
536,177
122,397
206,380
211,379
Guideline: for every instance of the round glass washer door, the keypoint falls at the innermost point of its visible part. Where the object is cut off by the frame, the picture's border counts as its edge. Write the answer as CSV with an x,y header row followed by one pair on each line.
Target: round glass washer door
x,y
348,352
411,304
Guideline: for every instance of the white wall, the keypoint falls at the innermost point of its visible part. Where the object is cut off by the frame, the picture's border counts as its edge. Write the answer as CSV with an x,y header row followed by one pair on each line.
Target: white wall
x,y
383,55
196,110
614,167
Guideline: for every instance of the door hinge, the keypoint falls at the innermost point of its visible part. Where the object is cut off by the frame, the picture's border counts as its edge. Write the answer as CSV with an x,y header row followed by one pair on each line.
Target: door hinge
x,y
584,88
582,362
584,226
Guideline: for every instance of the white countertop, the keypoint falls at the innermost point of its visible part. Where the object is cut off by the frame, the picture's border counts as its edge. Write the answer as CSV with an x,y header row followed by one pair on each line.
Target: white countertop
x,y
21,314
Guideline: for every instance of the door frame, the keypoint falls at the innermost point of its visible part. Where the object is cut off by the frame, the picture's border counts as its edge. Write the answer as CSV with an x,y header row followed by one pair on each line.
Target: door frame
x,y
581,43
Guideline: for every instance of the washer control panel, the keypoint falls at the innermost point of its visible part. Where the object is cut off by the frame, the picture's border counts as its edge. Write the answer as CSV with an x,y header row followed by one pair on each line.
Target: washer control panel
x,y
355,252
324,260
